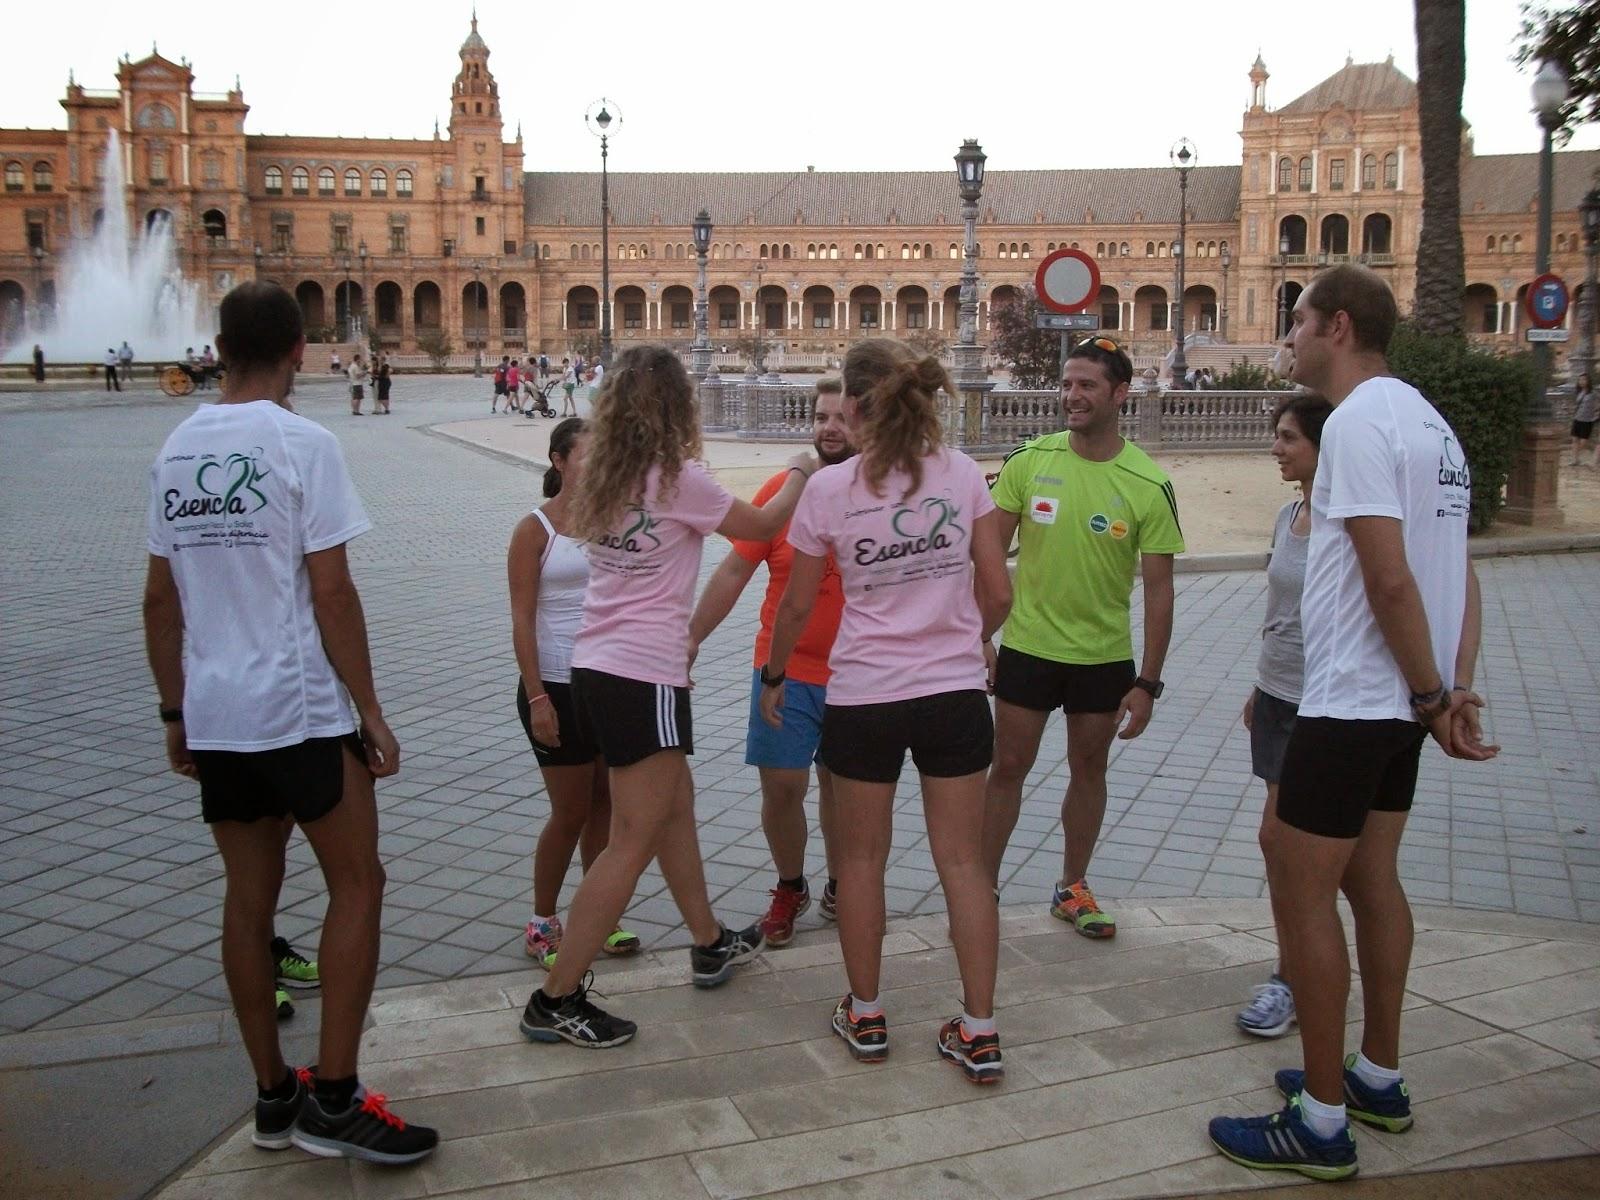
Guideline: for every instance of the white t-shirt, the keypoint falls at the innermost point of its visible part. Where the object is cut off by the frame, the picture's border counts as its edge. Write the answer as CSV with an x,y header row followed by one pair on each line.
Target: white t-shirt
x,y
1386,452
239,495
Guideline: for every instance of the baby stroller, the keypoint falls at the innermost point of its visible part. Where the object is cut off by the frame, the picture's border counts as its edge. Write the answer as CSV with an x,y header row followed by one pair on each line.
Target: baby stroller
x,y
539,401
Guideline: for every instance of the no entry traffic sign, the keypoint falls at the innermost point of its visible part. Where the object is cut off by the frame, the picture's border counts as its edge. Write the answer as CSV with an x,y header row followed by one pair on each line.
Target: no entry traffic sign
x,y
1547,301
1067,281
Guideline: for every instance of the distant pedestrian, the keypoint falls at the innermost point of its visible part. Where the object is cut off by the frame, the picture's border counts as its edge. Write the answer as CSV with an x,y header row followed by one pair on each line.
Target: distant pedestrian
x,y
125,361
381,383
334,365
544,367
358,376
38,363
597,376
513,386
111,370
208,367
1583,419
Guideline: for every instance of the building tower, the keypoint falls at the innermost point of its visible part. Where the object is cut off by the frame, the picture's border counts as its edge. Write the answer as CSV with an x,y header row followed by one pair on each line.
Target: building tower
x,y
1258,84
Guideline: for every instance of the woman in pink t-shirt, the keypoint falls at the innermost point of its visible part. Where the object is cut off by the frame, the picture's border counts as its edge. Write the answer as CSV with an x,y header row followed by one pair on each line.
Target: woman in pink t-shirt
x,y
644,505
913,530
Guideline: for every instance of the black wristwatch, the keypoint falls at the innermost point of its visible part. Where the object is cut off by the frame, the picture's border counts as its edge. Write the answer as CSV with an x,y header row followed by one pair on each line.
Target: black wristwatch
x,y
171,716
1427,705
771,680
1154,686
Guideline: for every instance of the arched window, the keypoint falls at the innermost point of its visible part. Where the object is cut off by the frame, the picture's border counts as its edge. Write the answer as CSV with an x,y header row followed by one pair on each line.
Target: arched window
x,y
1100,250
833,250
927,250
786,249
1391,170
402,183
1124,250
326,181
300,181
1369,171
352,182
273,180
1305,174
1161,249
811,249
857,251
1505,244
1149,249
380,183
1488,244
44,177
544,250
955,251
1285,174
1027,251
1516,243
905,249
16,178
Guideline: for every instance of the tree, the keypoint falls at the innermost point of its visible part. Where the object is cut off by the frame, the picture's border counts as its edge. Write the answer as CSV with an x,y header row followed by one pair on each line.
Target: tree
x,y
1570,37
1441,75
436,345
927,341
1033,355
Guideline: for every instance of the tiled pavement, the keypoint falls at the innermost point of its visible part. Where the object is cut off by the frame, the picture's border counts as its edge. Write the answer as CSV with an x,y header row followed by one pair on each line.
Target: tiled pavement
x,y
109,885
1116,1054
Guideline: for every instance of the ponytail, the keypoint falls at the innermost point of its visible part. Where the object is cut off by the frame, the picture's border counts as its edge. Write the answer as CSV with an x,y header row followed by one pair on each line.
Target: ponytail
x,y
897,392
562,439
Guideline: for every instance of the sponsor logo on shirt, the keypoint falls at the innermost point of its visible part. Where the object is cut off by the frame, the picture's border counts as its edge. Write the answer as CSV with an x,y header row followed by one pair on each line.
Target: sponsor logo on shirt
x,y
929,527
1099,523
636,536
1042,510
222,487
1119,529
1453,466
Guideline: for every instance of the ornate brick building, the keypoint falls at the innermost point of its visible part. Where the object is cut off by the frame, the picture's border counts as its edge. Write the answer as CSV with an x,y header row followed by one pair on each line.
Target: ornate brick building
x,y
448,235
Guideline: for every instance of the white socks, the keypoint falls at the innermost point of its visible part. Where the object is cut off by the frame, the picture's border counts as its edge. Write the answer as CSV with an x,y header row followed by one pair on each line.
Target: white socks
x,y
1370,1073
865,1008
976,1026
1324,1120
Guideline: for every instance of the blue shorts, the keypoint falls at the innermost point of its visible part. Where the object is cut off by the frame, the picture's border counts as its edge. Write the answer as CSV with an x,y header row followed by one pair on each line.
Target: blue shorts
x,y
794,746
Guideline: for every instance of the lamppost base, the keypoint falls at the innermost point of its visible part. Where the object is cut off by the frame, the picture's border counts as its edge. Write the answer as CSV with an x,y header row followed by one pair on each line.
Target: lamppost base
x,y
1533,495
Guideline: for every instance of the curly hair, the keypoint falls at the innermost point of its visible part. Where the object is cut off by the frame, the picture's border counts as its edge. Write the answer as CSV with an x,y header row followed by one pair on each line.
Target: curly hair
x,y
897,393
644,416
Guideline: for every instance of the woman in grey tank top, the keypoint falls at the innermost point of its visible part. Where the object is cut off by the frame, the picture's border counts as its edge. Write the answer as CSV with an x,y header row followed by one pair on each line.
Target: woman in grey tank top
x,y
1269,712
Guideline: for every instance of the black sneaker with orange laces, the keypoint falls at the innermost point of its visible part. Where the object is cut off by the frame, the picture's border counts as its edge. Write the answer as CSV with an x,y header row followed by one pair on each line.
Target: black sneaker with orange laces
x,y
867,1037
978,1058
366,1130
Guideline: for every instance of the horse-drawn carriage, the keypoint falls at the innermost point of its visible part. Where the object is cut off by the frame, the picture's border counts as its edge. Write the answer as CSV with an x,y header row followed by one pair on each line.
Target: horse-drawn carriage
x,y
180,379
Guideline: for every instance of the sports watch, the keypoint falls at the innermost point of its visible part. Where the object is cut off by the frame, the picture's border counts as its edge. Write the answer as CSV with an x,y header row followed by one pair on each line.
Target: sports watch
x,y
1154,686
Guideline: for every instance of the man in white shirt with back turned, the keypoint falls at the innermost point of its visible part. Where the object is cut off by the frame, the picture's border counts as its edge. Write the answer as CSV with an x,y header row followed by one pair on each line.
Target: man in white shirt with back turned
x,y
1391,615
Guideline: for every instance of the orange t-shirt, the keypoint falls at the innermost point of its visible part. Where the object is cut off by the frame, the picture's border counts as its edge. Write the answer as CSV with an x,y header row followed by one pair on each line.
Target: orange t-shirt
x,y
809,662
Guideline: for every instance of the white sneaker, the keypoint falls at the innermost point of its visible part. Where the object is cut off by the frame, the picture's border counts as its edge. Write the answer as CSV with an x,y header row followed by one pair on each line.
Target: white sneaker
x,y
1270,1011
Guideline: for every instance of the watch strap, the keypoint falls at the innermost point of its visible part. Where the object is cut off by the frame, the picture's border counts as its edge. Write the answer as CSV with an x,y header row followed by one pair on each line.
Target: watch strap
x,y
1154,686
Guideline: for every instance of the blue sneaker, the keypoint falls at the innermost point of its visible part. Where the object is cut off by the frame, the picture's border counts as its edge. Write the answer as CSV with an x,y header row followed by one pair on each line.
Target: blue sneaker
x,y
1284,1142
1388,1109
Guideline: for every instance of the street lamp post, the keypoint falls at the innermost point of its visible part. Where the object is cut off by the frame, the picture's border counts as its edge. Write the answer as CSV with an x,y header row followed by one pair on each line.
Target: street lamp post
x,y
1183,159
1549,94
600,118
969,176
700,355
477,339
361,252
344,332
1589,303
1227,261
37,252
1283,287
257,252
757,351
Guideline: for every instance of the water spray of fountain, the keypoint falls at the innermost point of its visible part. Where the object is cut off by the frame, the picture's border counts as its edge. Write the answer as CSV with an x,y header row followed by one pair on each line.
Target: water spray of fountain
x,y
114,287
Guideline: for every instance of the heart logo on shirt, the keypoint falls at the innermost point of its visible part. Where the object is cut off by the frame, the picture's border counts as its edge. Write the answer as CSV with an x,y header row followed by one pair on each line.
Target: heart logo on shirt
x,y
934,515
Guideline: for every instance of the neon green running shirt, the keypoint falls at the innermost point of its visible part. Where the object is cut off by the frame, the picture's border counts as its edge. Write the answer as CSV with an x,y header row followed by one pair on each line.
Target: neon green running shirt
x,y
1082,526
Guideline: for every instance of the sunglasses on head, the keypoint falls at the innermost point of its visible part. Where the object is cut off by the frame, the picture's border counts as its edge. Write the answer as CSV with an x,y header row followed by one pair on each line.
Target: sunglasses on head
x,y
1102,343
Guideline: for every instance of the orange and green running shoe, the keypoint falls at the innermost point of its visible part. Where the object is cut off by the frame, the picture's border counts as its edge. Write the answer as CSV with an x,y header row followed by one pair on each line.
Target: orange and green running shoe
x,y
1074,902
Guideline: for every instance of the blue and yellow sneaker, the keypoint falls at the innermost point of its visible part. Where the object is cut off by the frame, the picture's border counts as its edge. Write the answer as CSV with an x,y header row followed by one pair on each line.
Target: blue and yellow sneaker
x,y
1284,1142
1388,1109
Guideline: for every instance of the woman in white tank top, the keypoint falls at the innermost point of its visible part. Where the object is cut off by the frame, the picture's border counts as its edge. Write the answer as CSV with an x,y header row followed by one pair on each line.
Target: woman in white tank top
x,y
549,573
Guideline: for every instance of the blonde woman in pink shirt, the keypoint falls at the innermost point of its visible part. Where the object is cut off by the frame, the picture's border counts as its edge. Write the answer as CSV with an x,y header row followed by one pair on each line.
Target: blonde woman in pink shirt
x,y
644,505
917,542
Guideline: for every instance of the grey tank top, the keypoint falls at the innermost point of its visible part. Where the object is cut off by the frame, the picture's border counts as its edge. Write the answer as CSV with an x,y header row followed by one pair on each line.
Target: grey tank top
x,y
1281,669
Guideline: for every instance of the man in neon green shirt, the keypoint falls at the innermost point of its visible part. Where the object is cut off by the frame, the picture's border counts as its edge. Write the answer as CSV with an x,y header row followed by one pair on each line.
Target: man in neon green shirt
x,y
1090,506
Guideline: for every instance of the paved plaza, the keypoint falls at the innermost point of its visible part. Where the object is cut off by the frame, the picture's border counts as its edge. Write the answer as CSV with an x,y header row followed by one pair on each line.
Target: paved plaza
x,y
110,886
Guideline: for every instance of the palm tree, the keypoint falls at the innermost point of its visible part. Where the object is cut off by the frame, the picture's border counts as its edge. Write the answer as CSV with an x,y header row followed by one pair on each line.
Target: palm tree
x,y
1441,74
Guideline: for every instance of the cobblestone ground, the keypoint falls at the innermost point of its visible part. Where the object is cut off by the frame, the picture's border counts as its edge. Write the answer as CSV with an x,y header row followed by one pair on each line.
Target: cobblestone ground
x,y
110,886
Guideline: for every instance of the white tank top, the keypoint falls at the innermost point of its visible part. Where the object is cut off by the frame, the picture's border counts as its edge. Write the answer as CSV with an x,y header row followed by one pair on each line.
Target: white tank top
x,y
563,579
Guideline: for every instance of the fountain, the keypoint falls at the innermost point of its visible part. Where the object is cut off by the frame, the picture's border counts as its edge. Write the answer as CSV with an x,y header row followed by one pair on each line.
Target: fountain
x,y
113,287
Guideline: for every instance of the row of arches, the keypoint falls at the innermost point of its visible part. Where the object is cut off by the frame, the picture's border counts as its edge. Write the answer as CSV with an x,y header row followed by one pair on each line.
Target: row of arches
x,y
1300,176
427,306
376,182
1377,234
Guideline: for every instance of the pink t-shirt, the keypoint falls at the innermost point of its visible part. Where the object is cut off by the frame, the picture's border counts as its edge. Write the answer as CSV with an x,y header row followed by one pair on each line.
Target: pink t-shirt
x,y
642,577
911,625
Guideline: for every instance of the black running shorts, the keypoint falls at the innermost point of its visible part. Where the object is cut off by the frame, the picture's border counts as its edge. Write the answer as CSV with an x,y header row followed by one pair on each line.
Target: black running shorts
x,y
628,720
1044,685
575,750
948,734
305,781
1335,772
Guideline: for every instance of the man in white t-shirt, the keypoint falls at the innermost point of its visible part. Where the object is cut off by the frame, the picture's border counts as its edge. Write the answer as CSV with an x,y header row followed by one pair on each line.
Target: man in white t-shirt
x,y
250,510
1391,616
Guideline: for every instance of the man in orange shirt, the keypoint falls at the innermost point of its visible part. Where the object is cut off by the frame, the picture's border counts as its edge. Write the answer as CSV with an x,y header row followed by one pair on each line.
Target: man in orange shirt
x,y
784,756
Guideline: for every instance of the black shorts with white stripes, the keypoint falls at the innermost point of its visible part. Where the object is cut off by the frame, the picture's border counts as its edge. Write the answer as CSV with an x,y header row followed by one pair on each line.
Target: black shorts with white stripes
x,y
628,719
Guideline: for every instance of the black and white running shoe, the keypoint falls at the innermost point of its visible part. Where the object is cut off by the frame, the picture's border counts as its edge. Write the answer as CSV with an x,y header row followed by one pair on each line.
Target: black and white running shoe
x,y
275,1118
713,964
573,1019
366,1130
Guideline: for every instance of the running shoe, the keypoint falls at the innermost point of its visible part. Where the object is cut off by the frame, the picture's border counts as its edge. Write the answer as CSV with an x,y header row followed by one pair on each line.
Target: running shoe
x,y
1270,1011
828,909
1388,1109
285,1007
787,904
366,1130
295,970
867,1037
1284,1142
573,1019
712,965
275,1118
1074,902
620,942
978,1058
541,940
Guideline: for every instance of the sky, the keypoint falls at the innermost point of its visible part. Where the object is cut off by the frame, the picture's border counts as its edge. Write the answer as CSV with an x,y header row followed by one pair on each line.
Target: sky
x,y
865,85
